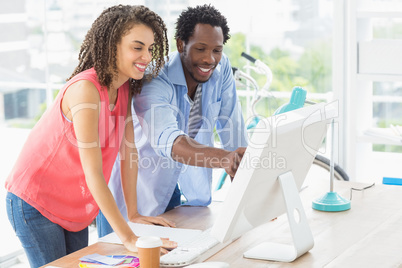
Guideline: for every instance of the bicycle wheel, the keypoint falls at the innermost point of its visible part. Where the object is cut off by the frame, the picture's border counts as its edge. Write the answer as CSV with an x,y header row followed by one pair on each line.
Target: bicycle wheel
x,y
324,163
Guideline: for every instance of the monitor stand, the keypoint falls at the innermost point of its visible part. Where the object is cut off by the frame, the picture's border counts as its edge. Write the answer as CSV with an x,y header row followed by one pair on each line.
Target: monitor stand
x,y
302,237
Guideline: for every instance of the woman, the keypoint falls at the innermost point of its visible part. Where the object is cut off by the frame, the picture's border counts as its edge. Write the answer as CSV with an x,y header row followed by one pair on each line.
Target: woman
x,y
59,181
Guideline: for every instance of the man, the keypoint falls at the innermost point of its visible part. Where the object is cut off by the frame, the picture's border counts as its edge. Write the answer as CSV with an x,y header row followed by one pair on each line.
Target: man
x,y
177,113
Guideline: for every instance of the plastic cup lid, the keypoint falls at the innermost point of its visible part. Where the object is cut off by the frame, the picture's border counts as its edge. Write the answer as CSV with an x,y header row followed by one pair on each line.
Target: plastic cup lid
x,y
148,242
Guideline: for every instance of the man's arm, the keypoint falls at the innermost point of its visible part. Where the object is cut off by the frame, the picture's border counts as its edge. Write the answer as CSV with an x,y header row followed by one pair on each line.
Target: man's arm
x,y
160,121
231,130
186,150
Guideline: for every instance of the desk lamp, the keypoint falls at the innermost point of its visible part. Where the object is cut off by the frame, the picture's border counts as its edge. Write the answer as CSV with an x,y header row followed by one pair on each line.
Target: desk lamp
x,y
331,201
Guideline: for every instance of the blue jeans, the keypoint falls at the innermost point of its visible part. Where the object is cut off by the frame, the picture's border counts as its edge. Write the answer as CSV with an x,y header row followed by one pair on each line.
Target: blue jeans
x,y
103,227
42,240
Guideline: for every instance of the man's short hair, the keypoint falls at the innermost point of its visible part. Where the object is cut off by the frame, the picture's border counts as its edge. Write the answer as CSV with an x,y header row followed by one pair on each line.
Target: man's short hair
x,y
205,14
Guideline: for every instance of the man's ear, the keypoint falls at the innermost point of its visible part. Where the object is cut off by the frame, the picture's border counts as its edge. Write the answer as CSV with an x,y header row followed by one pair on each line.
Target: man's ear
x,y
179,45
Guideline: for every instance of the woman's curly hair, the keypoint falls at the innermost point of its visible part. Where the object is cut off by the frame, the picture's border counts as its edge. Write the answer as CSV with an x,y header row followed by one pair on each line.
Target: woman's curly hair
x,y
99,48
205,14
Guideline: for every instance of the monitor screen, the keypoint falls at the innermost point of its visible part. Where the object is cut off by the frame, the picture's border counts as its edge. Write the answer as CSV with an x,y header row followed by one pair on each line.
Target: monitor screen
x,y
283,144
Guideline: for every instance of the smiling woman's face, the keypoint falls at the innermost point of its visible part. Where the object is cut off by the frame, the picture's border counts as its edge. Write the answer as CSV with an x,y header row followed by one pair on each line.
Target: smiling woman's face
x,y
134,52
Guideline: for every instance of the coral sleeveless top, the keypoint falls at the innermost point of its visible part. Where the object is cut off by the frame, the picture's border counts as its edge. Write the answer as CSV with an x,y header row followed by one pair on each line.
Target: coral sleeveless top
x,y
48,173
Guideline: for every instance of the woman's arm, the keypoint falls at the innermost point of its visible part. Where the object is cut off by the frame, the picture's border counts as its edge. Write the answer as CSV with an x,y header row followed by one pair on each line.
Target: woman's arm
x,y
129,172
81,104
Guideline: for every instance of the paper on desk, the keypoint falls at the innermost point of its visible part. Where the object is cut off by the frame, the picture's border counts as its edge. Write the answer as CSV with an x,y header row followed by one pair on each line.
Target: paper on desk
x,y
101,259
179,235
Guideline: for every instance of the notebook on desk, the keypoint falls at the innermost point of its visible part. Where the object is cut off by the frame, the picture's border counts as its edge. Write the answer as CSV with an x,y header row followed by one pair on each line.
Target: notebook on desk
x,y
193,245
179,235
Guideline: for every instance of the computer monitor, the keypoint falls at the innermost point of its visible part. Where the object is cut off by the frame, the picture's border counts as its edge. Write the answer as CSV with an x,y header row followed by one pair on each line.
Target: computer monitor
x,y
280,153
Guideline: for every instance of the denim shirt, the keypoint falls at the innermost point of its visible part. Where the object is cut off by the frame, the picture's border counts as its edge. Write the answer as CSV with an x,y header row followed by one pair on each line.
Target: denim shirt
x,y
162,113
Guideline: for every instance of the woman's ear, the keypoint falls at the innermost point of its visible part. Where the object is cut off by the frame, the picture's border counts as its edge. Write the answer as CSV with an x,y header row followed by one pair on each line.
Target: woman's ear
x,y
179,45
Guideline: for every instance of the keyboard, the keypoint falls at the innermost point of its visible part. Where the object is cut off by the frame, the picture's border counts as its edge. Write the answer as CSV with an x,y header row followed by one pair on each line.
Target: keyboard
x,y
198,249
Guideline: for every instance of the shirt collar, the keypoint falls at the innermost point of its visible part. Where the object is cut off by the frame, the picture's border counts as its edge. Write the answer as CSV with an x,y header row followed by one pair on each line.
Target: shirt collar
x,y
175,70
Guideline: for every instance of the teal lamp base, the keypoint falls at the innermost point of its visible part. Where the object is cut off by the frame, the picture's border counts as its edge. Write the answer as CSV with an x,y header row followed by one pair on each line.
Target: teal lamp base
x,y
331,201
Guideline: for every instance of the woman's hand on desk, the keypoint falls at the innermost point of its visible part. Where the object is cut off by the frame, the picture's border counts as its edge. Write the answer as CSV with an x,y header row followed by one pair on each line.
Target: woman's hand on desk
x,y
167,245
152,220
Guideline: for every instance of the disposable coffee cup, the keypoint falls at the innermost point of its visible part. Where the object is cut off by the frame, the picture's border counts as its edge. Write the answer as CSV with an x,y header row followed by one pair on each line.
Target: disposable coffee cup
x,y
149,251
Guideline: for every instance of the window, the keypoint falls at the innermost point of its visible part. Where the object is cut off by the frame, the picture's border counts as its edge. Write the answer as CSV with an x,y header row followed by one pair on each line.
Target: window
x,y
40,40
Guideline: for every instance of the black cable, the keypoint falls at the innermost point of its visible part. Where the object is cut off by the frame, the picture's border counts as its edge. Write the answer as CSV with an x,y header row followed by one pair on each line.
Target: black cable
x,y
360,189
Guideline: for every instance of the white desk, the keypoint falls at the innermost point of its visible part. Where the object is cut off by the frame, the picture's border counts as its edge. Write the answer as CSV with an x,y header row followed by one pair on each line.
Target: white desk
x,y
367,235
